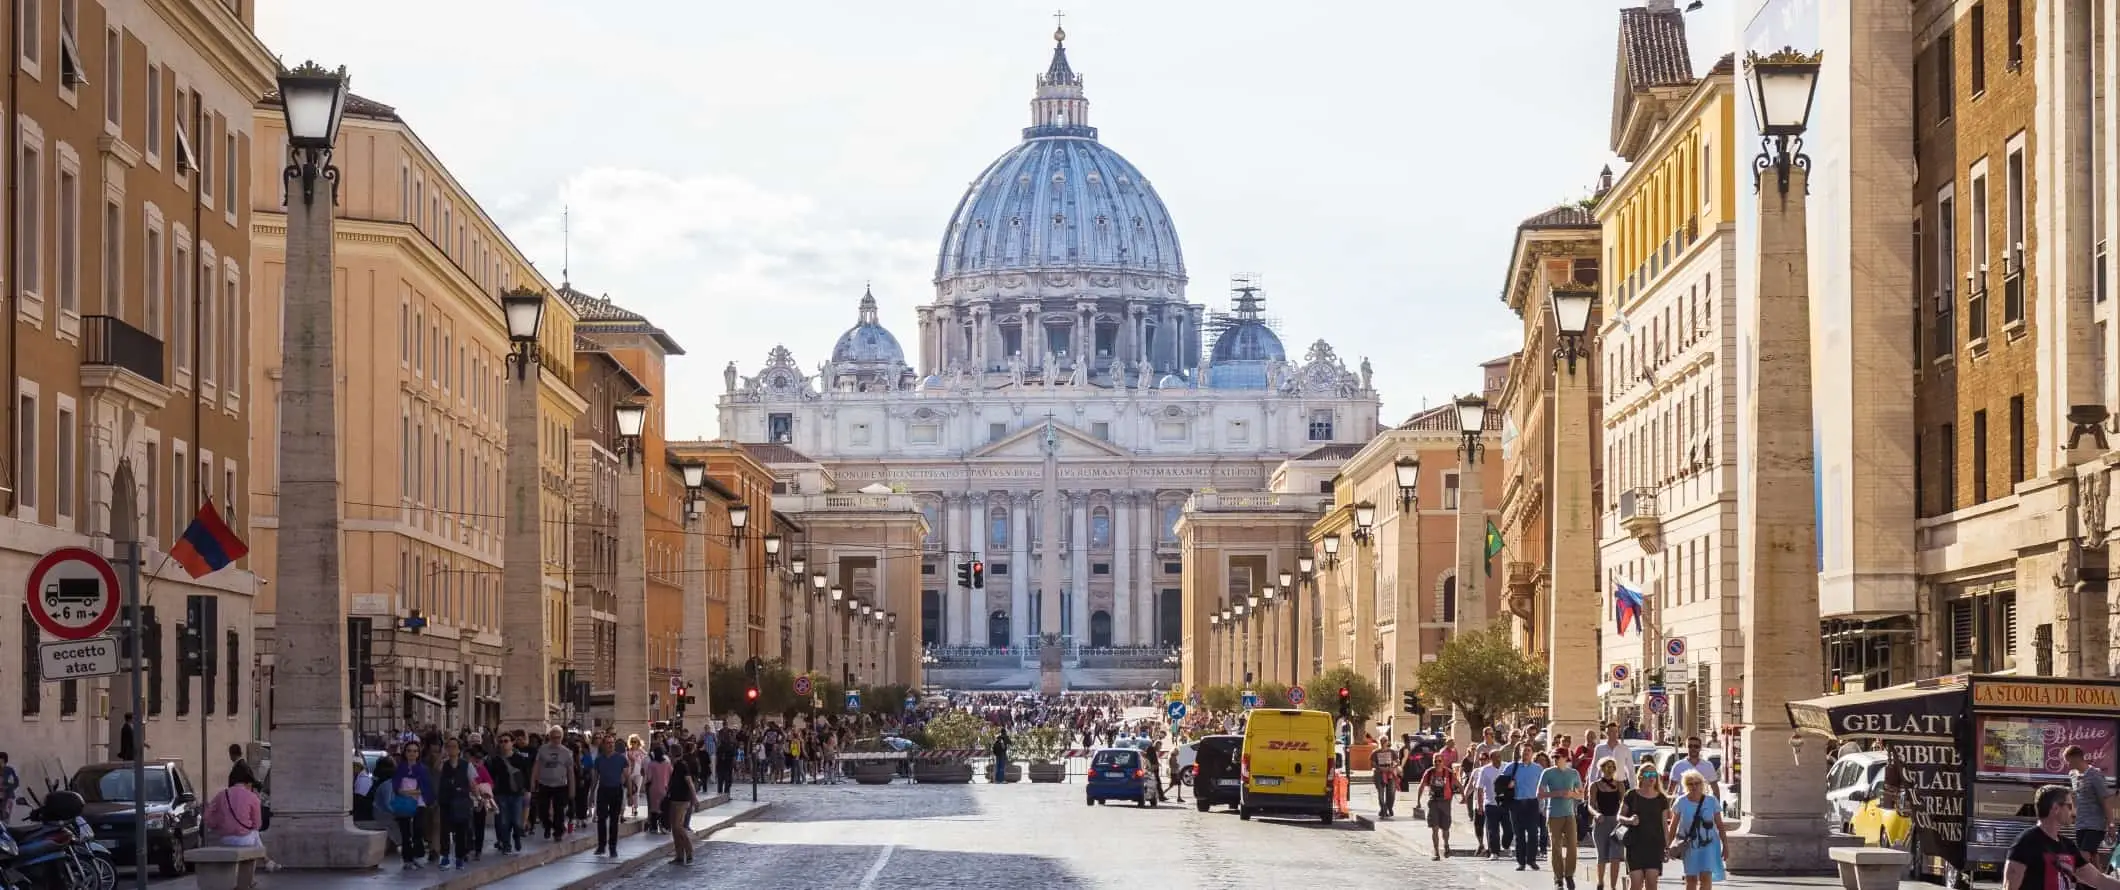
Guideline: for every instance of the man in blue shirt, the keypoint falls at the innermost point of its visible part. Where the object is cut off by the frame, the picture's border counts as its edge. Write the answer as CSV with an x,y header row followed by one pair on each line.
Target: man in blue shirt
x,y
1525,816
613,773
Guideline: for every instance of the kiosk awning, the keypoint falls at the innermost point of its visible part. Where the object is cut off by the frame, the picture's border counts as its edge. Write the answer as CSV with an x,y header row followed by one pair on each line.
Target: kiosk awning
x,y
1924,711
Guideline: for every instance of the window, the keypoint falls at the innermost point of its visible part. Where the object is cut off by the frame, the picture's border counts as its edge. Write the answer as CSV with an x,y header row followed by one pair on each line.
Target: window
x,y
26,466
184,631
2013,234
1976,278
32,667
152,273
187,159
1945,61
228,170
1450,491
405,204
1948,444
207,315
230,315
29,15
2013,32
859,434
1321,425
1980,455
2016,439
69,241
113,260
1102,430
180,305
997,528
1978,48
1946,271
995,432
154,111
233,645
152,638
153,488
63,448
113,71
31,224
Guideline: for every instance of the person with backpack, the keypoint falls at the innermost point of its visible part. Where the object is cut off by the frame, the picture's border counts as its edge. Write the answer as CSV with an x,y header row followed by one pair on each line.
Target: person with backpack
x,y
508,782
1491,790
679,792
413,788
1437,786
455,795
1525,814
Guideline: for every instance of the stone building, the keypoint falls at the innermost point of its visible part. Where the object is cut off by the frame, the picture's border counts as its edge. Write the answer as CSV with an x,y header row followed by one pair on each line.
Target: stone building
x,y
1060,298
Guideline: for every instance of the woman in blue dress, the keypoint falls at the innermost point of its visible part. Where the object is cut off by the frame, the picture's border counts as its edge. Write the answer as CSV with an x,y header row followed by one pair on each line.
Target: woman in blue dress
x,y
1696,821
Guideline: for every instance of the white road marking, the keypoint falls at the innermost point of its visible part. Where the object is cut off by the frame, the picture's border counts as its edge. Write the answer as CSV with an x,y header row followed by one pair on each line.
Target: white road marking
x,y
868,881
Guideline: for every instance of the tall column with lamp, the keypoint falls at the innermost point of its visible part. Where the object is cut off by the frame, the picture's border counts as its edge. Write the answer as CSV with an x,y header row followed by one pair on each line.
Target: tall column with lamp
x,y
1123,592
776,608
1471,573
1269,635
1363,585
1243,673
841,648
740,580
310,731
1406,605
1213,650
694,661
526,675
1308,626
629,691
1777,554
1572,616
1330,646
1286,661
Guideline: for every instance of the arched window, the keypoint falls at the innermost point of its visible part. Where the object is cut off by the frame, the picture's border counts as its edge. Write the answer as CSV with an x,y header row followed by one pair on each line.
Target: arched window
x,y
1448,599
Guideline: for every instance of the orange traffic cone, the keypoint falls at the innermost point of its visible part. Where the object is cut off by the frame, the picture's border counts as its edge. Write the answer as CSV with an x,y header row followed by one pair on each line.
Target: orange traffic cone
x,y
1339,794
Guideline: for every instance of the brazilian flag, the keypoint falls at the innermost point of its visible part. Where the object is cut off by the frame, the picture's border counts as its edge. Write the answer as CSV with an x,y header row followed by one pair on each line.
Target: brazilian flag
x,y
1494,546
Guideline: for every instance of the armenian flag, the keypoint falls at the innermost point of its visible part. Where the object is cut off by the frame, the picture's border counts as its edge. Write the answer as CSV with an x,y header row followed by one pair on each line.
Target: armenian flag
x,y
1627,605
208,545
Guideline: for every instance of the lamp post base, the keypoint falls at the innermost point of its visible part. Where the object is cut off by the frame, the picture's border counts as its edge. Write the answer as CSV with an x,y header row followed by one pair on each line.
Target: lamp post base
x,y
1050,680
322,841
1783,846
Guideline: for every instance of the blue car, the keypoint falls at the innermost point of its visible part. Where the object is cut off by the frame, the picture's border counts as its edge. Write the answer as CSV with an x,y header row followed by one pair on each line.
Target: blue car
x,y
1120,774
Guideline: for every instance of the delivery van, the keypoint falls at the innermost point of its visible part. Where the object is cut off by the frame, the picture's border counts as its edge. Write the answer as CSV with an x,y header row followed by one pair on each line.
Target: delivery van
x,y
1287,763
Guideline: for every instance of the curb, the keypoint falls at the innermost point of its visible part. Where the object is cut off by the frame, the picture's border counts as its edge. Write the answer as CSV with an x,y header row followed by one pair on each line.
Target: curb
x,y
547,854
622,869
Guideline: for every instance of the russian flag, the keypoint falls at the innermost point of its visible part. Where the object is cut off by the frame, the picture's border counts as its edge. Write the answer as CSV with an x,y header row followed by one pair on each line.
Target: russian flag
x,y
1627,605
208,544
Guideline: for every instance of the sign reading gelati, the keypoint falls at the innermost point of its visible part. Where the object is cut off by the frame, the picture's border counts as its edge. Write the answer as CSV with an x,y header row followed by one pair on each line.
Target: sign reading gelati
x,y
1990,694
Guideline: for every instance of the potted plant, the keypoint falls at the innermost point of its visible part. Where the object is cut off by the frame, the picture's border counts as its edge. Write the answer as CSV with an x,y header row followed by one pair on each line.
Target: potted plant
x,y
879,770
952,731
1041,747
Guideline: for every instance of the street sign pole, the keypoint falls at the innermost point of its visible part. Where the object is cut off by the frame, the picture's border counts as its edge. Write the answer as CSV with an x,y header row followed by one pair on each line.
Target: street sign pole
x,y
130,550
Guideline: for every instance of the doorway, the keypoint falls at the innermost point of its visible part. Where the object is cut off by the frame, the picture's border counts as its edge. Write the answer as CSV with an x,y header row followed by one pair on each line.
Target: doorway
x,y
997,630
1100,630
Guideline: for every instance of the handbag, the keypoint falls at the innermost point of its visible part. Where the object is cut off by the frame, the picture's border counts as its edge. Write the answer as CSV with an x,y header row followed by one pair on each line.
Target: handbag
x,y
1691,836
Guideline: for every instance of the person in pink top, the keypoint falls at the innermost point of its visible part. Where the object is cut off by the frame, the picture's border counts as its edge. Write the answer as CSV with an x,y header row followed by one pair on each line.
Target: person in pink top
x,y
234,816
656,772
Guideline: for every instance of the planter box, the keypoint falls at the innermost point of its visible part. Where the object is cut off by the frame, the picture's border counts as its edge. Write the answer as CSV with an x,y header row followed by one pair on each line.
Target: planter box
x,y
942,773
873,772
1015,773
1047,773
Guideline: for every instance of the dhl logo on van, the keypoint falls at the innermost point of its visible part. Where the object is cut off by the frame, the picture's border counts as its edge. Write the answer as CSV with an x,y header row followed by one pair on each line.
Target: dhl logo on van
x,y
1288,745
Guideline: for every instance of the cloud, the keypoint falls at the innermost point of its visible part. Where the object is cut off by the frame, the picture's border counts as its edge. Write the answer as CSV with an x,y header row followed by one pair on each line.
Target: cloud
x,y
726,266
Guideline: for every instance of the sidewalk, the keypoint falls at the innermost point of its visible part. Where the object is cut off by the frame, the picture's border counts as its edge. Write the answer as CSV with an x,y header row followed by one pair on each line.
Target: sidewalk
x,y
545,865
1411,835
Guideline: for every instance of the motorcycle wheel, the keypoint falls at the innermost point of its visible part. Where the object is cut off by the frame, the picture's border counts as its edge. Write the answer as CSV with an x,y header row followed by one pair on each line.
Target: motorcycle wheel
x,y
102,874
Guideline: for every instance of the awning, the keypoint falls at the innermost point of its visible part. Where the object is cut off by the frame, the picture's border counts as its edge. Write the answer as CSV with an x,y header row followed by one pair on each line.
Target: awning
x,y
425,697
1917,712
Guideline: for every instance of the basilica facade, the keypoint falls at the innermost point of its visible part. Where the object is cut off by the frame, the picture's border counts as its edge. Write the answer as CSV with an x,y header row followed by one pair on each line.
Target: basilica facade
x,y
1060,325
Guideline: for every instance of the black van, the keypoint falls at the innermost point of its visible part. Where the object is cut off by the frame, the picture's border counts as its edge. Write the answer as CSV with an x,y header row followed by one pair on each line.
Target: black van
x,y
1216,779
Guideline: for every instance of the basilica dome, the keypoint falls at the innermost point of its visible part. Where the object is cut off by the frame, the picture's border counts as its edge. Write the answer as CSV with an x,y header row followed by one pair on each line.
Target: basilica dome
x,y
867,342
1060,199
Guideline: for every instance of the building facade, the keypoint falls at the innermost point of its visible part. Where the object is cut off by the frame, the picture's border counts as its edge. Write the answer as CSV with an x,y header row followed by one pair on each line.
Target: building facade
x,y
1668,374
130,404
1060,297
422,434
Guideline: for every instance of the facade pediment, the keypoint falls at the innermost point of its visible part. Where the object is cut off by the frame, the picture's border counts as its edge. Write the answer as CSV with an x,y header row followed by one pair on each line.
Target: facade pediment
x,y
1029,443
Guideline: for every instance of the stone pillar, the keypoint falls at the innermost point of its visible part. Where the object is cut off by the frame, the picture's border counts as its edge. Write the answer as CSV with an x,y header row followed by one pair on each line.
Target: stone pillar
x,y
1123,592
629,692
955,551
739,587
1573,614
972,606
1471,549
1777,550
1019,569
1078,565
1033,339
694,661
310,729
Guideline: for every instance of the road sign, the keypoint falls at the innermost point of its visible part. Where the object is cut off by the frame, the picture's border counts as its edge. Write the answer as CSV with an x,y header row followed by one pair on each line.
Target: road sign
x,y
1251,699
909,703
73,593
1176,710
1675,647
802,685
1658,703
1295,696
677,685
853,701
78,659
1193,698
1620,673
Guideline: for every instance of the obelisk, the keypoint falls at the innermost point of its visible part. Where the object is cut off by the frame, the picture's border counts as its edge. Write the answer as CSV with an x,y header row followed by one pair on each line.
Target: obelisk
x,y
1049,506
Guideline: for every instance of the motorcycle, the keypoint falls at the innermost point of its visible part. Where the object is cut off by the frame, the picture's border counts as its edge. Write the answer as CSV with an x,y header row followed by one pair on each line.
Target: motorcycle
x,y
9,853
60,850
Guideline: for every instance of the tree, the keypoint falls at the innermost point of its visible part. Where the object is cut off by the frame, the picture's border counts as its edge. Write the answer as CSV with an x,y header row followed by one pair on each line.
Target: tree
x,y
1482,673
1272,694
1223,699
1322,693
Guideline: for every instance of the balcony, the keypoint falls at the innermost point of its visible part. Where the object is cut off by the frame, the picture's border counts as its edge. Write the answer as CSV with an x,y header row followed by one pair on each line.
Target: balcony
x,y
1639,516
1521,588
119,358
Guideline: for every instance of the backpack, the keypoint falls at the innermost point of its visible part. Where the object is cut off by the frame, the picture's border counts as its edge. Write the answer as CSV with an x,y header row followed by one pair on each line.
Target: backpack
x,y
1505,784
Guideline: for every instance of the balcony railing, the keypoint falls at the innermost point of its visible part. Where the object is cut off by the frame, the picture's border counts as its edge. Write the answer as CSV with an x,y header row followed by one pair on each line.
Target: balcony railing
x,y
108,340
1638,513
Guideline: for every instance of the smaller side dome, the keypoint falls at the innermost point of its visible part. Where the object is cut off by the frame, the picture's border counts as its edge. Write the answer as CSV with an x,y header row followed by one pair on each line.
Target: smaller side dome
x,y
1172,381
867,342
1249,342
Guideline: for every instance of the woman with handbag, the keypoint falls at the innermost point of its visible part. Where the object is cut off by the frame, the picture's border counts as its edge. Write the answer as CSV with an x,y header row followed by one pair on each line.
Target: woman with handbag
x,y
1605,835
1642,812
234,816
678,794
1696,831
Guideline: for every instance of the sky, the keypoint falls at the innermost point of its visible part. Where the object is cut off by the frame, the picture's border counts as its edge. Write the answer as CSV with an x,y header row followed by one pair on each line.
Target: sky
x,y
738,172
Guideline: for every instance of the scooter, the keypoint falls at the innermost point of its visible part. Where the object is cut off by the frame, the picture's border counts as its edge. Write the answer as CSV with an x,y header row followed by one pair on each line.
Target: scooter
x,y
9,853
60,850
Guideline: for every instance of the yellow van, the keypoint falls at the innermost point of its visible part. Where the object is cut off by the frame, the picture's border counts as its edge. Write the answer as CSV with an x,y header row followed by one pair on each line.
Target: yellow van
x,y
1287,763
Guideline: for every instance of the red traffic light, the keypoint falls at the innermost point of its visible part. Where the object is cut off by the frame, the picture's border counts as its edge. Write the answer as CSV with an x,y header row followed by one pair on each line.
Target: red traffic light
x,y
1733,692
1344,693
751,694
978,566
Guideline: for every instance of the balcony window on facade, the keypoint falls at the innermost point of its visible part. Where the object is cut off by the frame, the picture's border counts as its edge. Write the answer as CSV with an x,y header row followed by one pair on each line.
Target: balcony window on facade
x,y
1982,628
26,466
1450,491
1946,270
69,241
1976,278
31,224
1321,425
180,305
1946,61
154,111
152,273
63,451
113,259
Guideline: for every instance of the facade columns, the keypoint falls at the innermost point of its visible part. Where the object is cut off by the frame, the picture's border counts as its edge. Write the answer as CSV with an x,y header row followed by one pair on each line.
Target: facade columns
x,y
1573,614
1019,569
527,678
1146,531
1122,567
629,697
1033,338
972,611
1078,567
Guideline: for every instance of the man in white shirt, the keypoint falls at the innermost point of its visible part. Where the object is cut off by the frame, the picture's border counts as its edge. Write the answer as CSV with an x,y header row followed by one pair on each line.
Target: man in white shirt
x,y
1694,763
1615,748
1492,823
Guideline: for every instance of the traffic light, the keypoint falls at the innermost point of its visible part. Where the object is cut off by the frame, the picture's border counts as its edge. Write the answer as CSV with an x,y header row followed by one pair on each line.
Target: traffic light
x,y
453,696
750,697
1736,703
1413,703
978,575
1346,702
191,656
964,574
408,707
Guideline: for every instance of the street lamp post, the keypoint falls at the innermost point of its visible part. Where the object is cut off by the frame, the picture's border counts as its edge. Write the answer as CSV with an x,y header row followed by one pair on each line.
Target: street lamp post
x,y
629,694
740,579
1471,574
1214,644
696,662
309,674
1573,608
1243,645
1776,518
527,674
1307,572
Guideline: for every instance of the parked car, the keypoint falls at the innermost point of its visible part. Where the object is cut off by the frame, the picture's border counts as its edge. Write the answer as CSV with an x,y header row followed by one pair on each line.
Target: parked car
x,y
1120,774
1850,776
1217,779
173,811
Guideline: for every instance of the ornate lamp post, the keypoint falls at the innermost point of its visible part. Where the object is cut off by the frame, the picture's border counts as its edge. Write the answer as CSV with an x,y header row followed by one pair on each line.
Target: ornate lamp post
x,y
1408,470
1573,608
695,661
629,698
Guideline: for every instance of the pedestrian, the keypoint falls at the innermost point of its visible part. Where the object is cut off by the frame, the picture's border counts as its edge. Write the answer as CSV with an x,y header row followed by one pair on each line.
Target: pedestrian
x,y
2043,855
1697,822
129,739
1384,773
1642,812
636,754
1604,801
2093,799
1438,785
1492,790
1693,763
613,775
454,781
1561,787
507,785
1617,750
10,783
724,760
656,772
554,778
678,795
1001,746
1524,814
234,816
409,803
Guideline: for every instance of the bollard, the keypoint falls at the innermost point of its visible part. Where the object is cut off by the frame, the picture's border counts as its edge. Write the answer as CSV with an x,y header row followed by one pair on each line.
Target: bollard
x,y
1339,793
